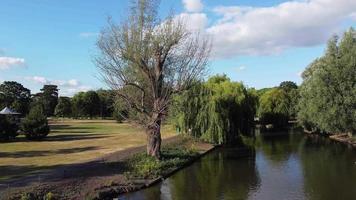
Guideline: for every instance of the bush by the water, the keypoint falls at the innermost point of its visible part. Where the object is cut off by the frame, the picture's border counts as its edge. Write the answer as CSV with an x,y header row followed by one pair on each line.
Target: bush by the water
x,y
35,125
144,166
8,128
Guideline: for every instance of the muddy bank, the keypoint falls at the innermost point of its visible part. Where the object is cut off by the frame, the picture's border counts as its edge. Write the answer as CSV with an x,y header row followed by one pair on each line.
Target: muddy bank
x,y
102,178
344,138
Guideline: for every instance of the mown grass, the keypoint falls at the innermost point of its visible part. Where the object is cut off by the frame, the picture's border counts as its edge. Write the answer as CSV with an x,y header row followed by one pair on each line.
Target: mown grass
x,y
70,141
142,166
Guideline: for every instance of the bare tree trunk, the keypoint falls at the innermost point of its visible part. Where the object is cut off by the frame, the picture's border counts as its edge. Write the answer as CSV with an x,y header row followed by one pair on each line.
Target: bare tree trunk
x,y
154,140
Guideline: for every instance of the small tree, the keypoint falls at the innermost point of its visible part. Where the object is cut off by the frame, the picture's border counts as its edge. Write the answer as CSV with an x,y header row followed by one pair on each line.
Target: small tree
x,y
146,60
64,107
35,125
8,128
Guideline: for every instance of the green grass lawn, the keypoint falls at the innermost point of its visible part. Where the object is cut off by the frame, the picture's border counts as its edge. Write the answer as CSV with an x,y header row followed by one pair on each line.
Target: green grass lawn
x,y
70,141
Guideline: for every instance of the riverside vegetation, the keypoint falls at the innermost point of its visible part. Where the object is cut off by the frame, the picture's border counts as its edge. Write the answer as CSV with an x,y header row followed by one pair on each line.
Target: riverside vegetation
x,y
158,76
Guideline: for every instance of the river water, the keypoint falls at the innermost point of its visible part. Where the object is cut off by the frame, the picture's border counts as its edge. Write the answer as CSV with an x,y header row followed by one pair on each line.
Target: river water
x,y
287,167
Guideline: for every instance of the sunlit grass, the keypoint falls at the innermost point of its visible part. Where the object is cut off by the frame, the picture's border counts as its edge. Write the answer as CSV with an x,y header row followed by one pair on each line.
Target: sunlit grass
x,y
70,141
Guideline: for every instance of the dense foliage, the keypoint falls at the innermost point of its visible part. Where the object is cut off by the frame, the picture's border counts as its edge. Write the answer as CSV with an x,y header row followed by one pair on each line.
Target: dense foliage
x,y
64,107
91,104
15,96
328,91
216,111
107,101
8,128
35,125
278,105
48,97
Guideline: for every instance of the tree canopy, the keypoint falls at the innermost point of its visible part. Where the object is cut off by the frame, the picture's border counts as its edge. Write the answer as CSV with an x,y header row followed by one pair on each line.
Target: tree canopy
x,y
279,104
328,91
15,96
49,98
146,60
216,111
64,107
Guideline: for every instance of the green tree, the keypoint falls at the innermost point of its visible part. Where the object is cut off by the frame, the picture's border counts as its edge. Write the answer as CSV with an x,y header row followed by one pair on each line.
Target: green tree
x,y
49,98
146,60
91,104
8,128
328,91
274,108
288,85
35,125
107,98
216,111
64,107
78,109
15,96
292,97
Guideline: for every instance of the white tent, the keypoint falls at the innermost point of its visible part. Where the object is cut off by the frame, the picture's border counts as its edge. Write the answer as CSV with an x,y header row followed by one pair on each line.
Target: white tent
x,y
8,111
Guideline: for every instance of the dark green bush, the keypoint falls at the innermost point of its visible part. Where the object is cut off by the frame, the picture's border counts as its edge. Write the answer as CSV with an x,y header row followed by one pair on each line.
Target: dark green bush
x,y
35,125
8,128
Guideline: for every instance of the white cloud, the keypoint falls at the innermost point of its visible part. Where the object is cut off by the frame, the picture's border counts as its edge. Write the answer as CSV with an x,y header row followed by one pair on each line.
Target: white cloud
x,y
39,79
10,62
193,21
73,90
241,68
193,5
270,30
88,34
66,87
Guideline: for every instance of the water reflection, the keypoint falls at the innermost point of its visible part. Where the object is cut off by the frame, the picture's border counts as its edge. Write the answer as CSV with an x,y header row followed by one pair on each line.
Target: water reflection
x,y
224,174
291,166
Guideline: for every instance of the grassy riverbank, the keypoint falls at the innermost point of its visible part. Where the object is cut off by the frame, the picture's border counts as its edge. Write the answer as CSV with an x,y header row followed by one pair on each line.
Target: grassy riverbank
x,y
120,172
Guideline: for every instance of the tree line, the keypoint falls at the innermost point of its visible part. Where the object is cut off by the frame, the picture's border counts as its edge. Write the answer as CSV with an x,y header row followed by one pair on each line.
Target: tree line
x,y
35,108
218,110
100,103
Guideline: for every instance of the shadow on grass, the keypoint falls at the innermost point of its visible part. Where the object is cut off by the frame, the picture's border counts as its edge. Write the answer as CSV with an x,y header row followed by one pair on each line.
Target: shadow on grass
x,y
24,154
60,138
18,176
70,137
69,127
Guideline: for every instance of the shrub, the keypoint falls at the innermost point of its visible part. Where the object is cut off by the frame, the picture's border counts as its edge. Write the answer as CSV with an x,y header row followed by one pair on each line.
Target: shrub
x,y
35,125
8,128
144,166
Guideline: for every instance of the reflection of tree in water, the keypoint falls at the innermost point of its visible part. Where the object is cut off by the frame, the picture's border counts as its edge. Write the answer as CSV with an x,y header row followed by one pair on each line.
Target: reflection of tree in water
x,y
278,149
329,170
224,174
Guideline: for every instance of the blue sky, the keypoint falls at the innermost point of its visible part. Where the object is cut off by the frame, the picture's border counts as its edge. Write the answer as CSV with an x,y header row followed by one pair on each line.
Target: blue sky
x,y
258,42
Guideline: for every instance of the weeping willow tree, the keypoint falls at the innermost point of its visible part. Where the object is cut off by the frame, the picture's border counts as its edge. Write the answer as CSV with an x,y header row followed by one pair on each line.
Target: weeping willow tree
x,y
216,111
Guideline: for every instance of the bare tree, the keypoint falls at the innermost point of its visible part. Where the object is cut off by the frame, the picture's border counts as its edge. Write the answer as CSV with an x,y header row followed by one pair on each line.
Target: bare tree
x,y
147,61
